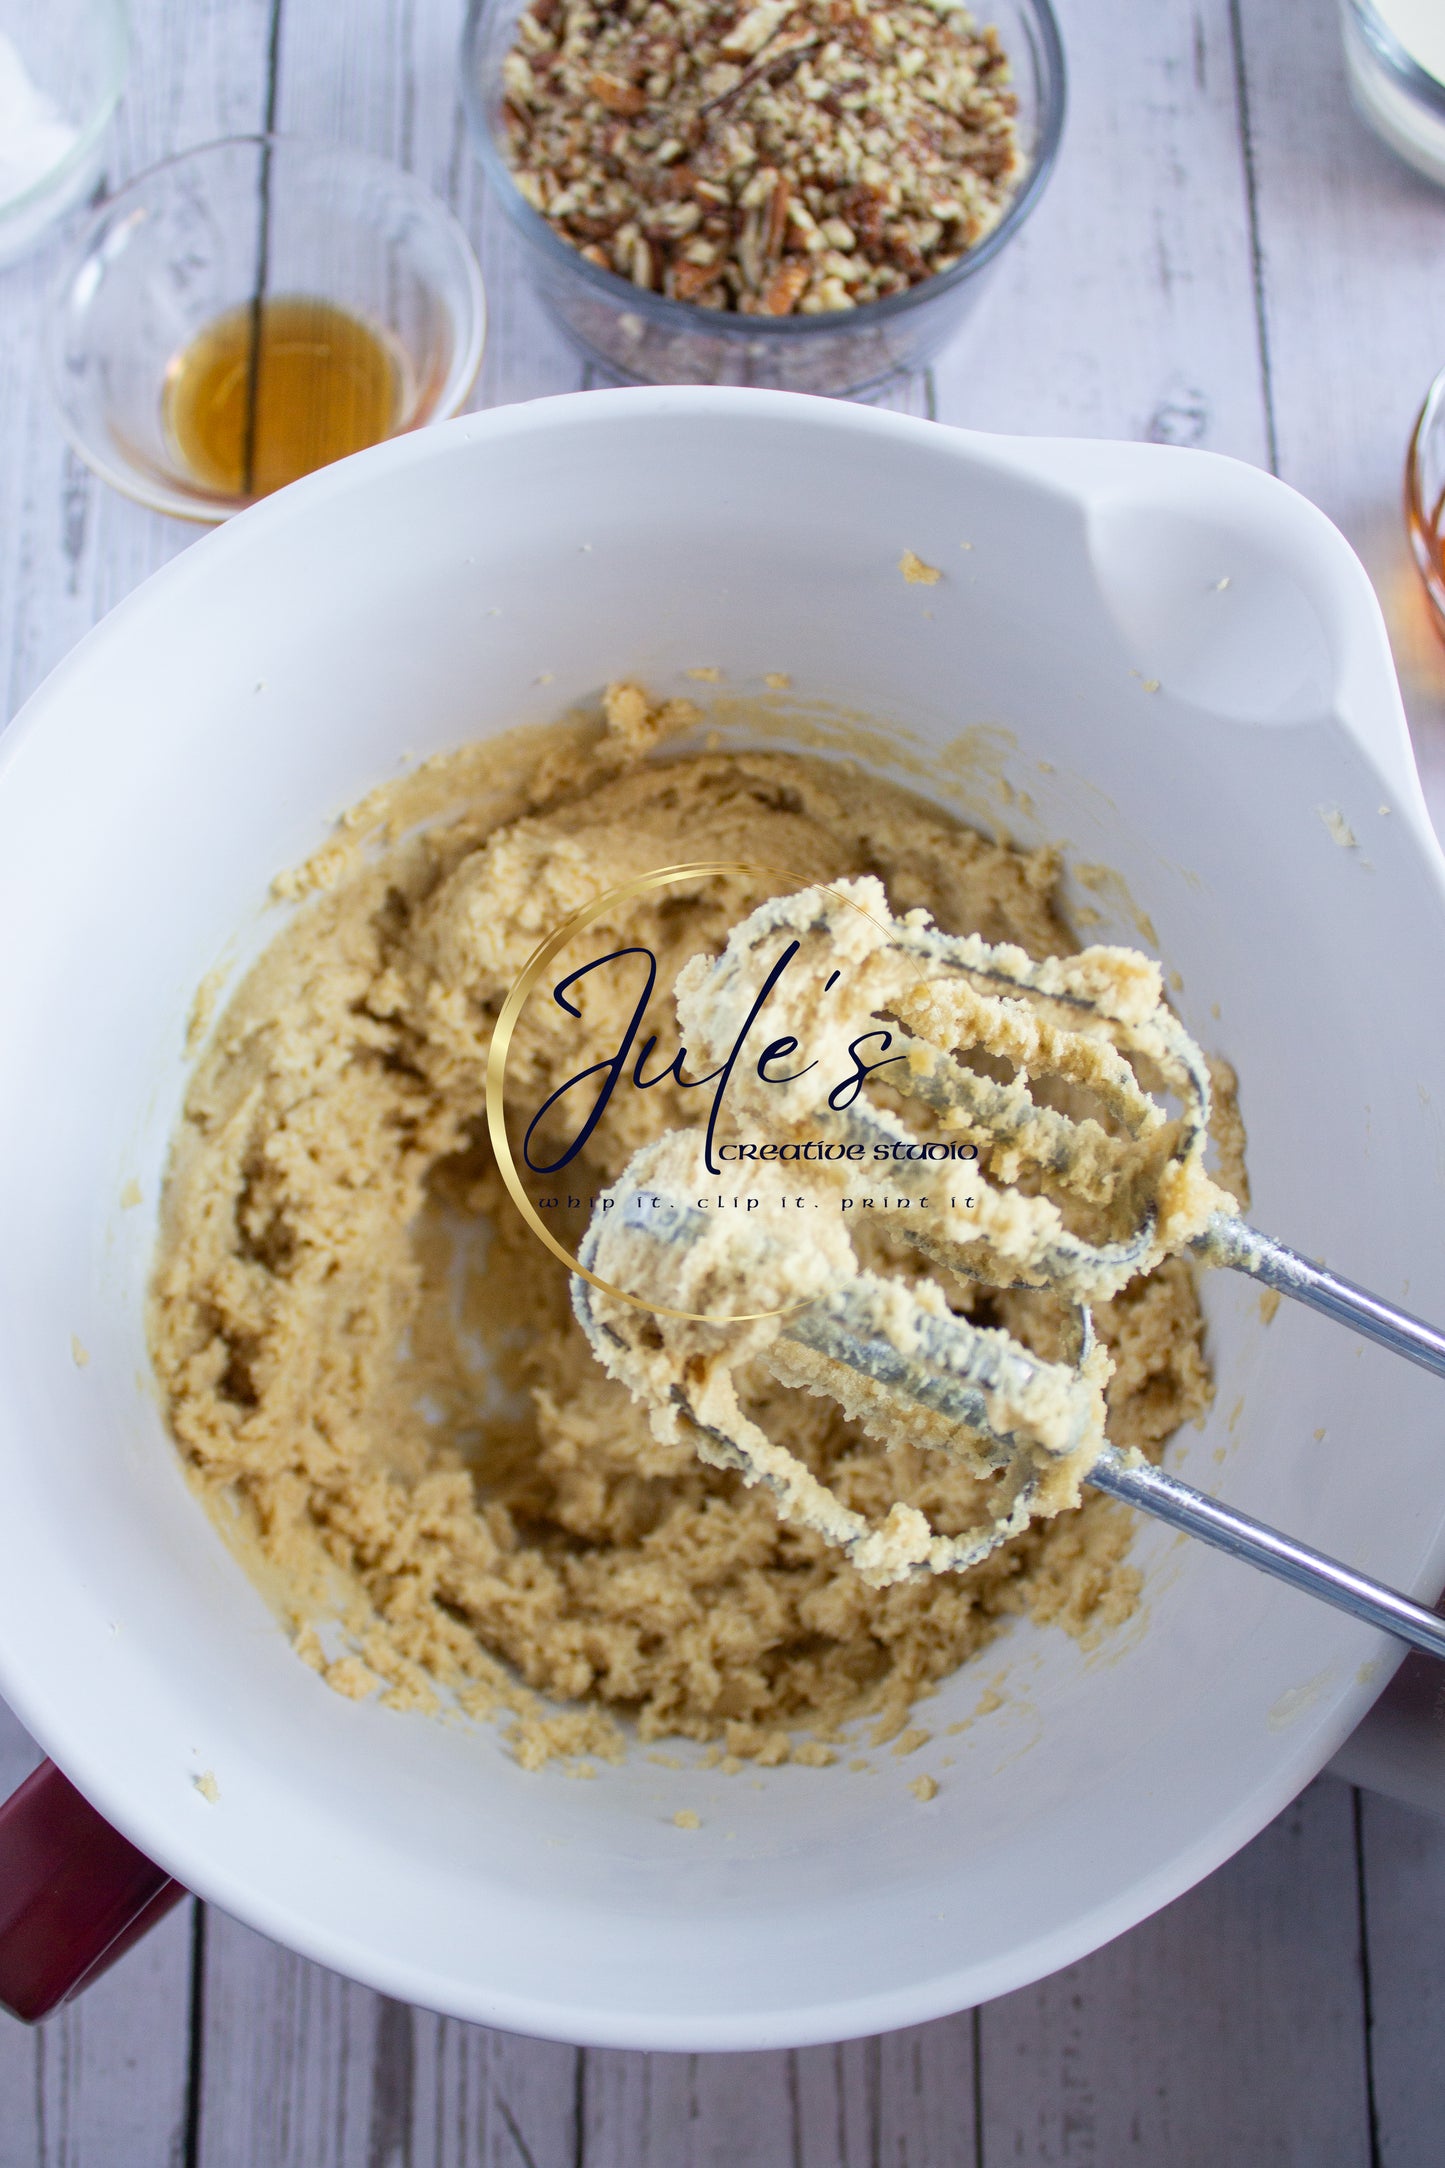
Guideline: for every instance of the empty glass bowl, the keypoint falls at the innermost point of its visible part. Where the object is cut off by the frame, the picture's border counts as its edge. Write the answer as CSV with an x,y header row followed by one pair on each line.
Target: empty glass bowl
x,y
646,338
62,68
251,224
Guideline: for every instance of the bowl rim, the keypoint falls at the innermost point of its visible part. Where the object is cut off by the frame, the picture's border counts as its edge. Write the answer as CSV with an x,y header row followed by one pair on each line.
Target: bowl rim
x,y
196,506
728,324
115,18
1392,55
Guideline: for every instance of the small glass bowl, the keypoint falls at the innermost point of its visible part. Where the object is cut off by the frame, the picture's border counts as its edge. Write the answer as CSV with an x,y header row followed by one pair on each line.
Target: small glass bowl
x,y
645,338
75,54
1400,100
210,230
1425,498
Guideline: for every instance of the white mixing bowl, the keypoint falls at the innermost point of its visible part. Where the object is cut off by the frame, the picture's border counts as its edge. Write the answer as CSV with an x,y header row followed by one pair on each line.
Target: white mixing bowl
x,y
1197,657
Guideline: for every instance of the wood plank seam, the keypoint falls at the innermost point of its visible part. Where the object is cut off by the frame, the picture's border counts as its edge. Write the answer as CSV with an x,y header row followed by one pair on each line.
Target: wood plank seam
x,y
976,2031
1256,243
1366,1990
273,68
195,2020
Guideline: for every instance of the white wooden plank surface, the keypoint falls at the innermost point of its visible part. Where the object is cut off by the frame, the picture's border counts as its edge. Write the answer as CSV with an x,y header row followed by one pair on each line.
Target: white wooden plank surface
x,y
1404,1893
1126,307
301,2069
70,548
1233,2027
1353,259
1228,2028
907,2100
687,2111
108,2079
18,1753
1352,248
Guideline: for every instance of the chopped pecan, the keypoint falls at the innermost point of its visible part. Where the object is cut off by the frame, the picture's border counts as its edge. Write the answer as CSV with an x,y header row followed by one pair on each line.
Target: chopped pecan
x,y
769,156
617,96
907,257
863,207
785,288
592,229
752,31
689,280
776,230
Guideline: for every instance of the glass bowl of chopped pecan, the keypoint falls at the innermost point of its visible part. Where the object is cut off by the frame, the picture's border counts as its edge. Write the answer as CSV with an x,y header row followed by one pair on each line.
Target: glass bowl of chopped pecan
x,y
801,194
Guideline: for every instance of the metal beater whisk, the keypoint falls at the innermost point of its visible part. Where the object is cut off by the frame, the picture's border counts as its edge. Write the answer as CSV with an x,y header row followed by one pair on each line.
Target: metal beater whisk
x,y
1056,1199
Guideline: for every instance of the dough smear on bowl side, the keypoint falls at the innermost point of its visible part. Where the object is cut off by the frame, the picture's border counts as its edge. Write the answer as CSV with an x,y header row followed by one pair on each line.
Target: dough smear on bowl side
x,y
370,1364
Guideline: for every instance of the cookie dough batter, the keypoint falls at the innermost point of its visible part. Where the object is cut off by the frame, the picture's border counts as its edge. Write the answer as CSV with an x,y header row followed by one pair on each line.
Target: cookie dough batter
x,y
369,1361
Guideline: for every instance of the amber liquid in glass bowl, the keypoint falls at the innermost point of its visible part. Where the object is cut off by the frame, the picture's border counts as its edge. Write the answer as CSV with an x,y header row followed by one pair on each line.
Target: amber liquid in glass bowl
x,y
275,389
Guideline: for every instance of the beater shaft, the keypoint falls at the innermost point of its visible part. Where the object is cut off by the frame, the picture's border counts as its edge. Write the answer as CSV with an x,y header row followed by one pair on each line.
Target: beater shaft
x,y
1156,1492
1231,1242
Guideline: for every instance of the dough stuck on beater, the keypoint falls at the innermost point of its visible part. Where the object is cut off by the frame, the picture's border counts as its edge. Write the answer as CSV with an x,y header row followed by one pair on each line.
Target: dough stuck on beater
x,y
713,1292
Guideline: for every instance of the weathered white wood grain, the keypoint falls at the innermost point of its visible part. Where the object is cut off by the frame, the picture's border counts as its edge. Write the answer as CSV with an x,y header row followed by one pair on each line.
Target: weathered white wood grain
x,y
69,547
1229,2028
302,2069
688,2111
1125,307
18,1752
290,2069
489,2100
105,2081
906,2100
1352,247
927,2080
1353,258
1405,1926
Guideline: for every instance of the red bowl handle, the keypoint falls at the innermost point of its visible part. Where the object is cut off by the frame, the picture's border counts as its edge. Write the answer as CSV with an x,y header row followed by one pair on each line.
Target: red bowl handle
x,y
74,1894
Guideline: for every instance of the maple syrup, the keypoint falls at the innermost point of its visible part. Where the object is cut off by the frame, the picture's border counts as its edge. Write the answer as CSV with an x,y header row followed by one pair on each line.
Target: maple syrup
x,y
274,389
